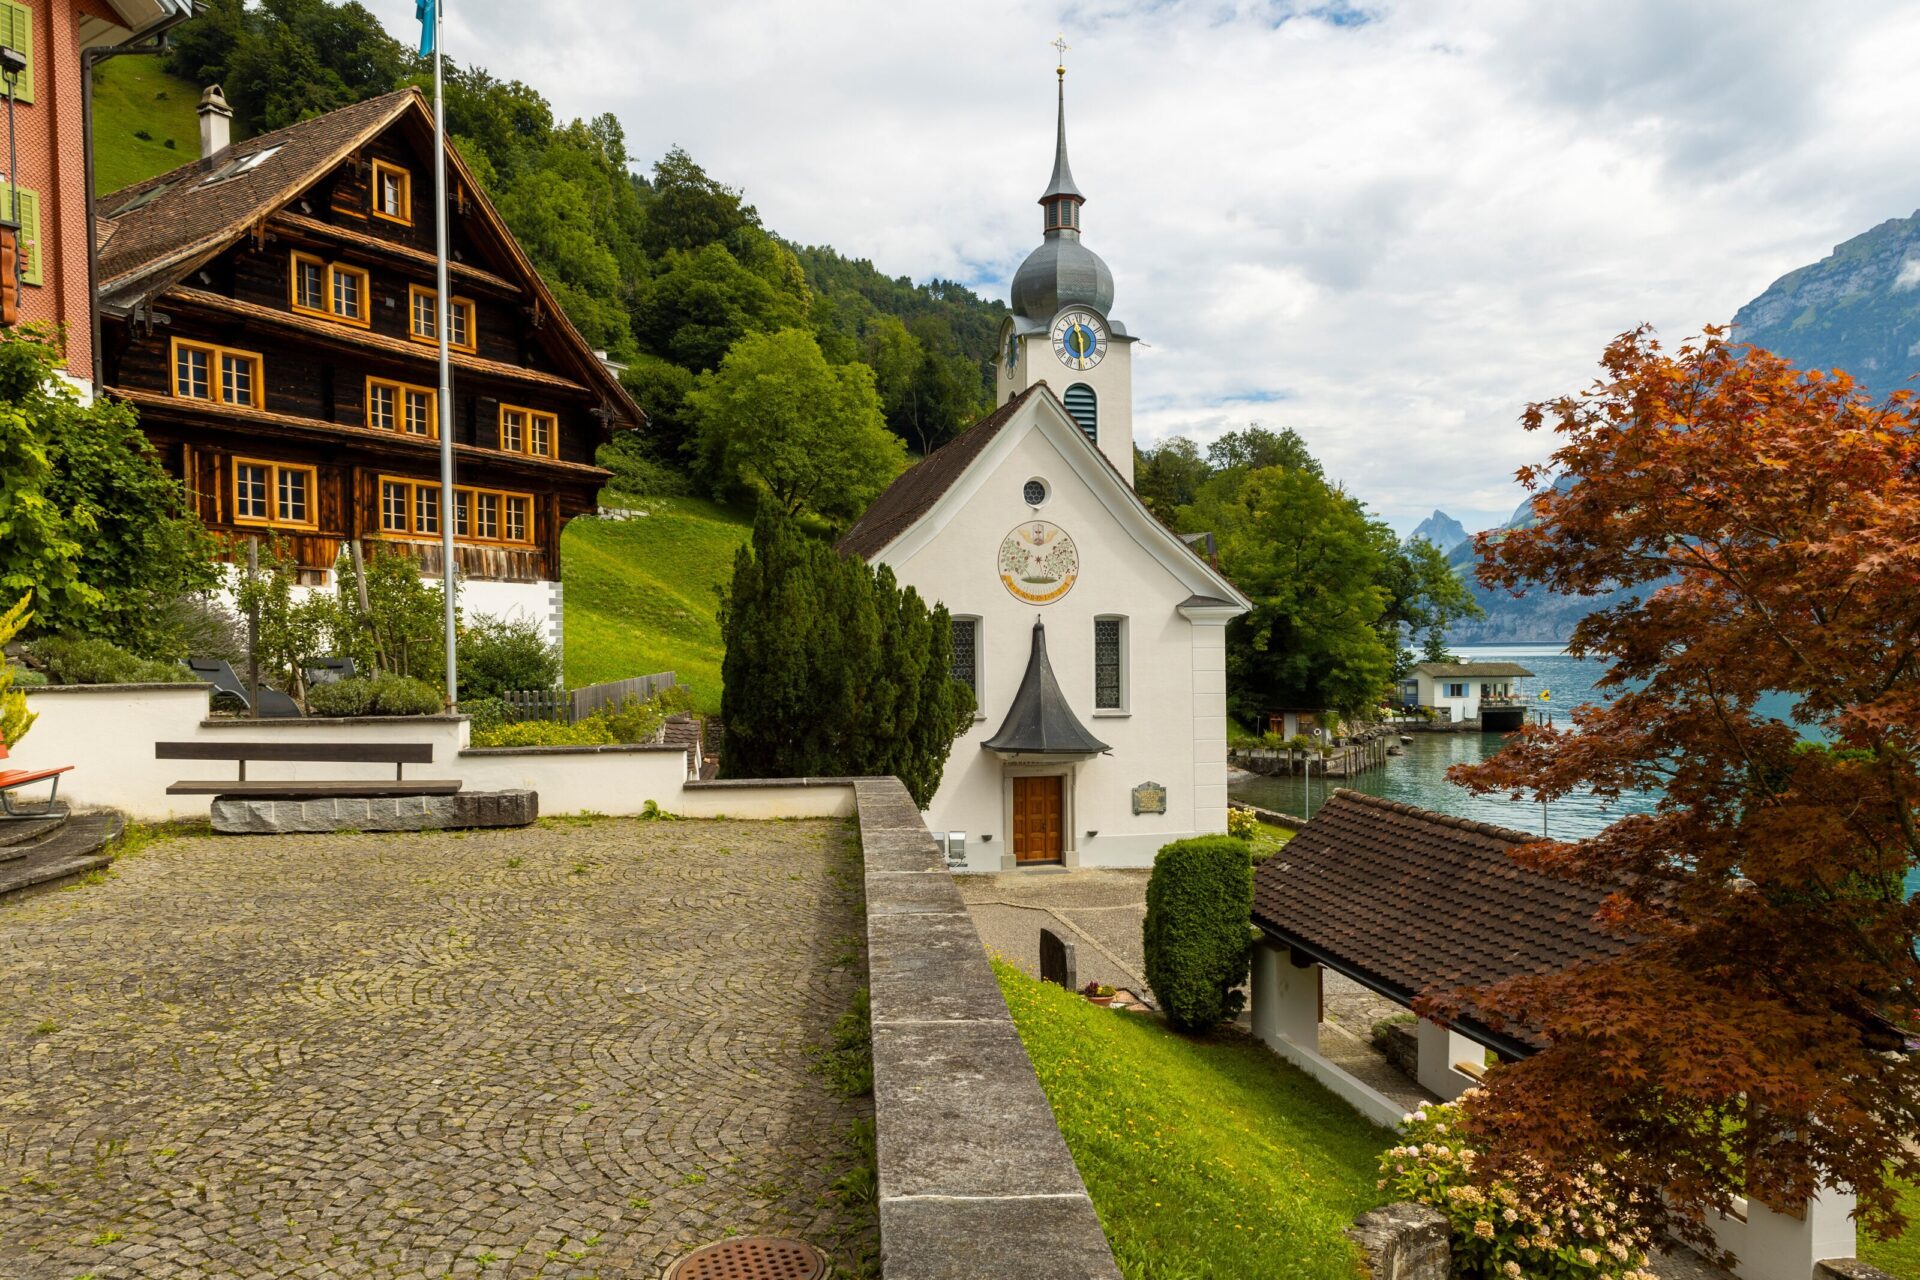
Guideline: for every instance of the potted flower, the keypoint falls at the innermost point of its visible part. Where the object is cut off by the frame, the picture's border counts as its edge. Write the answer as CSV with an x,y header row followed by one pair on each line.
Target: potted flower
x,y
1098,992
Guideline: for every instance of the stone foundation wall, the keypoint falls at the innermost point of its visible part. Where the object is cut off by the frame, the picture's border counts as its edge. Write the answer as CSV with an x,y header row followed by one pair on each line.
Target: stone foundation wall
x,y
233,815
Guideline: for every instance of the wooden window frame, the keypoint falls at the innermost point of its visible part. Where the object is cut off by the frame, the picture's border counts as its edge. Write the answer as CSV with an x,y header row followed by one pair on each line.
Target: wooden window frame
x,y
381,168
400,392
526,445
418,291
273,521
215,354
328,270
464,496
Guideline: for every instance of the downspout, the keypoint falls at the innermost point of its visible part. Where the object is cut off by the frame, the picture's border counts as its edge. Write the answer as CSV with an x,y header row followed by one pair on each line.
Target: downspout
x,y
152,39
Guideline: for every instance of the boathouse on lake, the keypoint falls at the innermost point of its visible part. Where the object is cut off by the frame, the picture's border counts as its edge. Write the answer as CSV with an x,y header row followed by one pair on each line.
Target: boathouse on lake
x,y
1467,693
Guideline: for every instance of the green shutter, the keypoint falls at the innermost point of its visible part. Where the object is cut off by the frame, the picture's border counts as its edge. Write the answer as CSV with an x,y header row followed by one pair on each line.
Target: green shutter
x,y
29,230
16,32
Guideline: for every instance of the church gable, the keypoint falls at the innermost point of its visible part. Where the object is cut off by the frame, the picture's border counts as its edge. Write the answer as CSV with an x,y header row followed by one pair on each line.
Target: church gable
x,y
958,508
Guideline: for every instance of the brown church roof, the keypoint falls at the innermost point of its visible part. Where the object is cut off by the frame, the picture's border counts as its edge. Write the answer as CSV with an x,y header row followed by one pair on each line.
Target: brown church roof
x,y
915,490
1404,899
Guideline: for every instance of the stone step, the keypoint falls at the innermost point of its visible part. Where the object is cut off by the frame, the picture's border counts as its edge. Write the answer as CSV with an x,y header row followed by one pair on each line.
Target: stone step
x,y
74,848
19,831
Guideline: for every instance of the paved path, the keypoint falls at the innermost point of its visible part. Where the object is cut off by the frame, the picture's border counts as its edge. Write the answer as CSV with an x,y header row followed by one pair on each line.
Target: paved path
x,y
1097,910
567,1051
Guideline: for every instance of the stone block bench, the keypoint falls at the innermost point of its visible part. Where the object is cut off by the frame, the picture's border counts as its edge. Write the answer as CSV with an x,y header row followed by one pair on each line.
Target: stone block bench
x,y
267,806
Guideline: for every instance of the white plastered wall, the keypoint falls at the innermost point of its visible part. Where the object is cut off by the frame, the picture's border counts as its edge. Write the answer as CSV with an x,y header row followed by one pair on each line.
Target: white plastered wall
x,y
1173,730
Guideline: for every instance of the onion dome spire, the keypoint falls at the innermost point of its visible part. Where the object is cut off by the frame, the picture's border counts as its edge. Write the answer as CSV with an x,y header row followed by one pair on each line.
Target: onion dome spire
x,y
1061,272
1062,199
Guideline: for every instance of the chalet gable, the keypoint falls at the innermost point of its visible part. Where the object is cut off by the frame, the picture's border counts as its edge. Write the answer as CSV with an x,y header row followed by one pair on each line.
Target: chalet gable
x,y
357,184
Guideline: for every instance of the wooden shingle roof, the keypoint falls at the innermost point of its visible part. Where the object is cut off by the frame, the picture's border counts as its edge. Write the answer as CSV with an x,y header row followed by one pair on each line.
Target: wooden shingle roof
x,y
1403,899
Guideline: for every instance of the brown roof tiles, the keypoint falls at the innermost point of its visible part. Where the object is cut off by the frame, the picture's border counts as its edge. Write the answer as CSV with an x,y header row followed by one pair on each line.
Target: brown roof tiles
x,y
1404,899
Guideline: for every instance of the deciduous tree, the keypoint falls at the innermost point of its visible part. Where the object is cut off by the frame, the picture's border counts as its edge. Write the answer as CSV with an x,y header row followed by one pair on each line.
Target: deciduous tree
x,y
1767,521
778,419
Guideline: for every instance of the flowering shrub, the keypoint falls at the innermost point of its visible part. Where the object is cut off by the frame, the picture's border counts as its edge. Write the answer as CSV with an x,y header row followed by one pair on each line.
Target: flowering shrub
x,y
1242,825
1500,1229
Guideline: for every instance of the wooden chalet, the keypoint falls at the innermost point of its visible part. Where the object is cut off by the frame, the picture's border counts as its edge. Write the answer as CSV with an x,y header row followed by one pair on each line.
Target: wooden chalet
x,y
269,310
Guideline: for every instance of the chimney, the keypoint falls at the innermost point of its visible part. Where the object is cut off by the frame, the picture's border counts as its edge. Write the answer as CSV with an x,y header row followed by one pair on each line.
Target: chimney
x,y
216,122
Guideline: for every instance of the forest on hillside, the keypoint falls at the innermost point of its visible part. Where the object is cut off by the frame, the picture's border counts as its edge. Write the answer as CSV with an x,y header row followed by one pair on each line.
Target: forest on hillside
x,y
667,271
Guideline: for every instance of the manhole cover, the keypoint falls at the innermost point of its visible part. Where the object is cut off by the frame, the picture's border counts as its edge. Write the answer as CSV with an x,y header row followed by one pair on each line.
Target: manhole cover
x,y
752,1258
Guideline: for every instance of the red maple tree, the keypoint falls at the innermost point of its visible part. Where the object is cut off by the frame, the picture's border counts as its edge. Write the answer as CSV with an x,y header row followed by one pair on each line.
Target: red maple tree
x,y
1766,521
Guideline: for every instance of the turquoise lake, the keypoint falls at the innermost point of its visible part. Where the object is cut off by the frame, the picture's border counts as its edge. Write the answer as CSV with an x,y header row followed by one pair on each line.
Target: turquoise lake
x,y
1420,776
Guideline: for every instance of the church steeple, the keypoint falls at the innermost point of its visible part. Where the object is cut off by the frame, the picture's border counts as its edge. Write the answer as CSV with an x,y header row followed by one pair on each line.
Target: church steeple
x,y
1062,199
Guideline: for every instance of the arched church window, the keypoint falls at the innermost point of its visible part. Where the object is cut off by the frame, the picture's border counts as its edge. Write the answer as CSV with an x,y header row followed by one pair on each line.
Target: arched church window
x,y
1085,408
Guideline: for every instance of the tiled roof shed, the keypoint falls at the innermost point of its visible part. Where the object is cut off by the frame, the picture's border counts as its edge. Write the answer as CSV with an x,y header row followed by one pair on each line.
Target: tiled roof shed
x,y
1470,670
1402,899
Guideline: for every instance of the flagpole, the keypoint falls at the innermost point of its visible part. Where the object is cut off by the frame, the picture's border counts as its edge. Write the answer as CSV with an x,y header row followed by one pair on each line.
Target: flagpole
x,y
448,578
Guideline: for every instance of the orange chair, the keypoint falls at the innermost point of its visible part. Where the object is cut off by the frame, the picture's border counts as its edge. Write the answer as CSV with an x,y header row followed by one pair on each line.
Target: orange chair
x,y
11,778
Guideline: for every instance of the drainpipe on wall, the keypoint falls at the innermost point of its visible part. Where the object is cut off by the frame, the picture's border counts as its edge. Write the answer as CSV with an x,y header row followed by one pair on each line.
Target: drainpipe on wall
x,y
151,39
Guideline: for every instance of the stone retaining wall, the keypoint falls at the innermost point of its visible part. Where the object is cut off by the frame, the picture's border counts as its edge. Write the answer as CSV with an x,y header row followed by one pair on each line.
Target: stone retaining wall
x,y
976,1182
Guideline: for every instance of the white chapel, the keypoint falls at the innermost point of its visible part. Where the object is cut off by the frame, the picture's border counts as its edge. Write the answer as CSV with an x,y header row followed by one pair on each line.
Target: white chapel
x,y
1094,638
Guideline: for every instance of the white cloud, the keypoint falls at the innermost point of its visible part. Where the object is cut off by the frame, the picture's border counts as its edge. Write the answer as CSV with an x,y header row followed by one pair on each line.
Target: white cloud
x,y
1388,235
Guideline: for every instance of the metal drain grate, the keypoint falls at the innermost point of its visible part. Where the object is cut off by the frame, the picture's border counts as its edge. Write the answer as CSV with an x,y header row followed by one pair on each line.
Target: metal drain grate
x,y
752,1258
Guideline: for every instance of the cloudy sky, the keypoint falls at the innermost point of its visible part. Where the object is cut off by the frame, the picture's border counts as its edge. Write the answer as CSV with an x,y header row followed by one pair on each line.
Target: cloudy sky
x,y
1386,225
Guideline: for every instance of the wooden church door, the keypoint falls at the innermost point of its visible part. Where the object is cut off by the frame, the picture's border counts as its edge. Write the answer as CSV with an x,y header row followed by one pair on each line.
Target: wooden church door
x,y
1038,819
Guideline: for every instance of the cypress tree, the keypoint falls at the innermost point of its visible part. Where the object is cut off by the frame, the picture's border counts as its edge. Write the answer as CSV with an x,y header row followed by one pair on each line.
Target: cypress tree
x,y
832,668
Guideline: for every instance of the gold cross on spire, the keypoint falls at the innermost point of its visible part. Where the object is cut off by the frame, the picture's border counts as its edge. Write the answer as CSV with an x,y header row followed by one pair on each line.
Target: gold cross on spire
x,y
1061,46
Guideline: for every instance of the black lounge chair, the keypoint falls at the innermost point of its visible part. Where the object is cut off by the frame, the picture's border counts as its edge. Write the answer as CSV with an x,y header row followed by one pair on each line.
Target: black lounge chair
x,y
219,673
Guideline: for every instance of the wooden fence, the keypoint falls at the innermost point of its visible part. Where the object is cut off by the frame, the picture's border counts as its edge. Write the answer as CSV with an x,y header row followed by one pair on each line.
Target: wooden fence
x,y
569,705
594,697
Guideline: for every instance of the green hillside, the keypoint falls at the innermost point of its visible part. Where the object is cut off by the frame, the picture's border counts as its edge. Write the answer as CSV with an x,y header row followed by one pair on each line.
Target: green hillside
x,y
639,594
136,95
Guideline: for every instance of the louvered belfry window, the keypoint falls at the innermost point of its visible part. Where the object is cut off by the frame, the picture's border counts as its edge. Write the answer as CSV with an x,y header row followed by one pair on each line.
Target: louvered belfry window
x,y
1085,408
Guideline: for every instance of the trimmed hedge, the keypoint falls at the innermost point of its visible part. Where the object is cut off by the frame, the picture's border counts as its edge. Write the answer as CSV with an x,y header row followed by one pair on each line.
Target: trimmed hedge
x,y
1198,929
381,695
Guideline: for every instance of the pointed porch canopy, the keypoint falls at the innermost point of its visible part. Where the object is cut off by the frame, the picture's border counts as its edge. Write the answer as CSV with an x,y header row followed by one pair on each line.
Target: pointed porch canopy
x,y
1040,724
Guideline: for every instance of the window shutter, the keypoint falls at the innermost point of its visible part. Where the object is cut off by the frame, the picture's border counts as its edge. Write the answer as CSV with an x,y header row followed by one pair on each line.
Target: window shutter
x,y
29,228
9,289
16,32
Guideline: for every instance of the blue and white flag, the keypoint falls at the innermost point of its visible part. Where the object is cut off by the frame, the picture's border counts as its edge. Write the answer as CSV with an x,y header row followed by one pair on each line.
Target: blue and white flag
x,y
428,13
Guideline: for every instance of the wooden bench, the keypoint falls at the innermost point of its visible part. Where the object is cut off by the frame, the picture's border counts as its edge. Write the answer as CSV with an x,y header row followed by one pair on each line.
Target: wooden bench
x,y
397,754
11,778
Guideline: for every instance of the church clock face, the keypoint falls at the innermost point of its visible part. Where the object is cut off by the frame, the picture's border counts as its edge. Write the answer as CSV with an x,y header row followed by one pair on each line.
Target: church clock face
x,y
1079,339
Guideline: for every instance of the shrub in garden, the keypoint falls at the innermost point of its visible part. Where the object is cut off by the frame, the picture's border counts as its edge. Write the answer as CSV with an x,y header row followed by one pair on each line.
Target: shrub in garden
x,y
1197,930
381,695
633,721
15,719
502,654
75,659
1502,1227
1242,825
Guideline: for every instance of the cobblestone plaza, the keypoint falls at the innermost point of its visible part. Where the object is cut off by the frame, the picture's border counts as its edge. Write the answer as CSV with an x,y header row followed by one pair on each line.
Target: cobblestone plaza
x,y
571,1050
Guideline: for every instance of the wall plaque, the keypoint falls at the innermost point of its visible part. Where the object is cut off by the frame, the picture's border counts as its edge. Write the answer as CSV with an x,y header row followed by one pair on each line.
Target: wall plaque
x,y
1149,797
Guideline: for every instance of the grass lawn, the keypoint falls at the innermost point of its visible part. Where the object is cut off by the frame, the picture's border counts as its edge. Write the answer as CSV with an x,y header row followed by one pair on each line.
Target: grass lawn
x,y
1204,1158
639,594
1902,1256
1269,840
132,94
